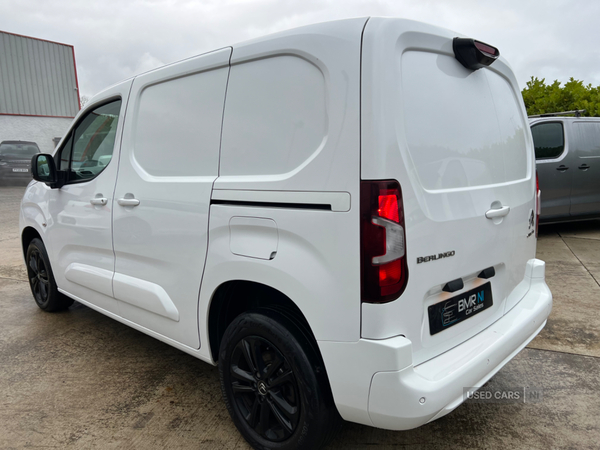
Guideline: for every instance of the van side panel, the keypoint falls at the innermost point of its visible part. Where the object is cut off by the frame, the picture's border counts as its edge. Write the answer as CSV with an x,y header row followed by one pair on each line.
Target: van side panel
x,y
585,195
276,117
290,154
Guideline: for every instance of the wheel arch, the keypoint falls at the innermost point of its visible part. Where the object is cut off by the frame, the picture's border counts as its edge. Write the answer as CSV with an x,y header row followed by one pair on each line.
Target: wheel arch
x,y
27,235
235,297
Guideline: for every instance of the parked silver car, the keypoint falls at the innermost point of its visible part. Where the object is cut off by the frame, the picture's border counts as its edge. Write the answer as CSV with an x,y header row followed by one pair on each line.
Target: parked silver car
x,y
567,152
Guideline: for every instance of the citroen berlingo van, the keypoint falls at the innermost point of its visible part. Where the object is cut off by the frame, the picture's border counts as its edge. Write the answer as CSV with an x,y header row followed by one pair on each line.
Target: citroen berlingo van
x,y
342,217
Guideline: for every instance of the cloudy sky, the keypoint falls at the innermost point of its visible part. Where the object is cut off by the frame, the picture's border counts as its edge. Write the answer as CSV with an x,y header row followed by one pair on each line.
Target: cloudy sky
x,y
115,39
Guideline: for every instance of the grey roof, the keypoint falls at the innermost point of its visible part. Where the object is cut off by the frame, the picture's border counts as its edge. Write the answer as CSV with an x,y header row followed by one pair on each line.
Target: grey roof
x,y
37,77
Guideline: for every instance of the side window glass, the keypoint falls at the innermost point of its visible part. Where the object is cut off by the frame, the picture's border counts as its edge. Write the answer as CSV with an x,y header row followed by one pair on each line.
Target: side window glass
x,y
90,147
548,139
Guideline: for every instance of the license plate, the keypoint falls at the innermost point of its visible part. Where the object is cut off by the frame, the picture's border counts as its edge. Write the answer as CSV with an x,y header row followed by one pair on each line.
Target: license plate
x,y
20,170
448,313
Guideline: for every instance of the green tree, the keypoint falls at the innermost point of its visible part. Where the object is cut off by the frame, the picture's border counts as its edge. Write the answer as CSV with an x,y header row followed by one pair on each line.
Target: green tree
x,y
542,98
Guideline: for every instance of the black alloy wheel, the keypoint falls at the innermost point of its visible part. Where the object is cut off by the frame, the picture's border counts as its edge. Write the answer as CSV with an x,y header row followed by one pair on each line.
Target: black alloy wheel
x,y
274,382
38,277
264,388
41,280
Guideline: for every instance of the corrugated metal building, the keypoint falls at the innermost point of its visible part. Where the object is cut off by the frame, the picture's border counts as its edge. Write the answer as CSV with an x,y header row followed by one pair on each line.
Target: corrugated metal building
x,y
39,95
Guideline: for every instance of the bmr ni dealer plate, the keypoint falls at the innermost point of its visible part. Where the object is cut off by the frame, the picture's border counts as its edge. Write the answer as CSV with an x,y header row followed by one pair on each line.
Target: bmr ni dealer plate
x,y
448,313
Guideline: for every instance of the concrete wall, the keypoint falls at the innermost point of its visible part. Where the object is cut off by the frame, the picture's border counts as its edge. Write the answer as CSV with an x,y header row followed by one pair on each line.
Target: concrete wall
x,y
40,130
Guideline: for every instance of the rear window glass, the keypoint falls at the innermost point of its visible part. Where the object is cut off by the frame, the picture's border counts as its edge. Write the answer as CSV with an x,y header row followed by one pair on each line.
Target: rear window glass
x,y
463,128
588,139
19,149
548,140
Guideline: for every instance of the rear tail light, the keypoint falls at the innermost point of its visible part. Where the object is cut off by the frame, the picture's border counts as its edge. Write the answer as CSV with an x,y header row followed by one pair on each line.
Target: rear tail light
x,y
538,200
384,270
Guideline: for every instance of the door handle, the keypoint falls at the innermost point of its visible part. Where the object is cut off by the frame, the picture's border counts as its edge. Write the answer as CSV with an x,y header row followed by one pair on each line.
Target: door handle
x,y
497,212
584,167
100,201
562,168
128,201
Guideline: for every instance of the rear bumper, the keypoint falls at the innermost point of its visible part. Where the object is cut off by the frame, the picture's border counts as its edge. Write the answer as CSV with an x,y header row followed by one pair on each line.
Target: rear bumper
x,y
375,383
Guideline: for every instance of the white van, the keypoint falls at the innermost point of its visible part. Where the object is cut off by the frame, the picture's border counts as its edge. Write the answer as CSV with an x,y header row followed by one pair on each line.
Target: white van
x,y
341,216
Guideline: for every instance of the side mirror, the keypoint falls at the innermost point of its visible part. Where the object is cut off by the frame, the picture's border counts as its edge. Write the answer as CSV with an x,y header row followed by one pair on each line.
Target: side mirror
x,y
43,169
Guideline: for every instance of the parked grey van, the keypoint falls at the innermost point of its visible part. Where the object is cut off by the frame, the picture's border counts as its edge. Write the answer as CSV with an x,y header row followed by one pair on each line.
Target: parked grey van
x,y
567,153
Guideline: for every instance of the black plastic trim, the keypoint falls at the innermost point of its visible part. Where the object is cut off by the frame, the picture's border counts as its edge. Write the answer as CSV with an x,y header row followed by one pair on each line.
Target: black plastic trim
x,y
487,273
454,285
319,206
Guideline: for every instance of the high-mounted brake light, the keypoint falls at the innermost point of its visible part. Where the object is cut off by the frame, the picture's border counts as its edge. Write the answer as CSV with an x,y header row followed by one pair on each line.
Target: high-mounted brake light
x,y
474,54
384,270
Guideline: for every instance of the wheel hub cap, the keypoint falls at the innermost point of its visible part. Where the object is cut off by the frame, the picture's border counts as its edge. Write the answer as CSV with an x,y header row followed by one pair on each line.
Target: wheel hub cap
x,y
262,388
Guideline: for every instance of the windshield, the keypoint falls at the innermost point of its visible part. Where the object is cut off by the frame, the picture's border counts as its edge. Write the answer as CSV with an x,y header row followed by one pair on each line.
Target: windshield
x,y
18,148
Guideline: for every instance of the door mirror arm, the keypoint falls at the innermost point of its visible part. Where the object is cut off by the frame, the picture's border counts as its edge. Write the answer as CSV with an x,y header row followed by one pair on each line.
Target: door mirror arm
x,y
61,179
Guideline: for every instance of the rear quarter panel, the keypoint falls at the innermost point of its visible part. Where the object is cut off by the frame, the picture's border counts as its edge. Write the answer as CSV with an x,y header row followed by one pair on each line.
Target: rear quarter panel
x,y
303,139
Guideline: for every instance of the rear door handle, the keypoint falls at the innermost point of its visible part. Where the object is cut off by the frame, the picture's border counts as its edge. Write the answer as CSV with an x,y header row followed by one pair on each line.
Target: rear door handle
x,y
497,212
584,167
562,168
128,201
100,201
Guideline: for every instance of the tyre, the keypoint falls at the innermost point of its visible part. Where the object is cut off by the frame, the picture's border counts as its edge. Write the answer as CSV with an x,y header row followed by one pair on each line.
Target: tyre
x,y
274,383
41,280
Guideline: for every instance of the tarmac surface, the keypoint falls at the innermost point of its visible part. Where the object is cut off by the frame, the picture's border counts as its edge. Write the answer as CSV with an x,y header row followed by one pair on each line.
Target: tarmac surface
x,y
78,380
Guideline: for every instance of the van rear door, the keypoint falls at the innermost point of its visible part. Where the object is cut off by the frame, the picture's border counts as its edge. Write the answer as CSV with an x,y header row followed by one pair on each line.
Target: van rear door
x,y
458,142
